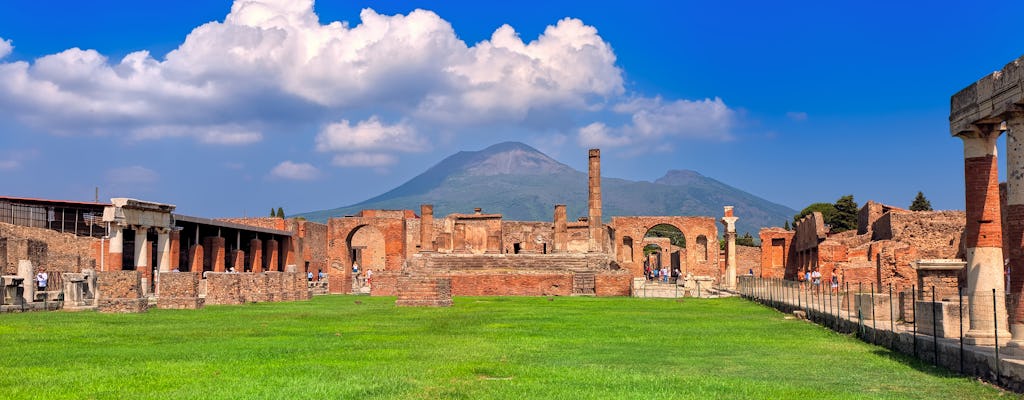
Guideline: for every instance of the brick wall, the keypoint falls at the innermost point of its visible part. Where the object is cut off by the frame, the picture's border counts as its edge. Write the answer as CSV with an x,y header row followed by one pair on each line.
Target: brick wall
x,y
239,288
223,288
179,290
120,292
417,290
613,283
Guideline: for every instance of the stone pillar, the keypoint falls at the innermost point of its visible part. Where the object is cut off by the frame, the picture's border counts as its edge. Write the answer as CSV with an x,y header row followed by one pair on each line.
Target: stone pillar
x,y
594,201
730,248
256,255
561,244
196,267
27,272
115,256
272,255
217,254
983,237
142,256
427,227
163,250
1015,223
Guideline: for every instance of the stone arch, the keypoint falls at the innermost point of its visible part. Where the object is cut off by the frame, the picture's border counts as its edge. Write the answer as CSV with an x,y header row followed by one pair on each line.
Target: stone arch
x,y
366,245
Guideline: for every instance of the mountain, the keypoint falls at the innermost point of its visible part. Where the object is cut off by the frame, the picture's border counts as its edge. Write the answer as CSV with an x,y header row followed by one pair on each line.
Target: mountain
x,y
524,184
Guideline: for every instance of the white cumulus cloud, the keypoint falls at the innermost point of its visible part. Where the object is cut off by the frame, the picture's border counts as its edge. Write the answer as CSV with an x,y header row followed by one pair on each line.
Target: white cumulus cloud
x,y
5,47
653,119
295,171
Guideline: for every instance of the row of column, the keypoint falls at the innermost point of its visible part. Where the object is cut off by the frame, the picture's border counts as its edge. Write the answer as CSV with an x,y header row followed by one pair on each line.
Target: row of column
x,y
168,243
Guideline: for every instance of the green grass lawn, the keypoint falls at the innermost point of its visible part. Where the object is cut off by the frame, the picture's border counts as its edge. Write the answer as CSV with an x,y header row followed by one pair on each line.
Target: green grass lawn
x,y
482,347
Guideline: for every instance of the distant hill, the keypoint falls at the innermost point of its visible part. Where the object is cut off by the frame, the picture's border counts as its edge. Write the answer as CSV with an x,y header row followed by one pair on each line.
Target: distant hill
x,y
524,184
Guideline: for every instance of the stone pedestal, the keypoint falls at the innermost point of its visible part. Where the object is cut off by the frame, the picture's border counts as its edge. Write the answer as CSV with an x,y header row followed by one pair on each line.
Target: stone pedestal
x,y
27,272
74,291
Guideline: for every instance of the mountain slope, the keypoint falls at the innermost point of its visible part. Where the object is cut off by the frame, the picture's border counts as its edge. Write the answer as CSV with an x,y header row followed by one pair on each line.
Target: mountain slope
x,y
524,184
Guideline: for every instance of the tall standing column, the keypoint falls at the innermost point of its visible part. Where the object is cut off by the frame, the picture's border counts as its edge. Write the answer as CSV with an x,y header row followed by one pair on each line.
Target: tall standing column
x,y
1015,223
427,227
594,201
115,257
272,255
730,248
142,257
216,252
561,230
256,255
983,237
163,250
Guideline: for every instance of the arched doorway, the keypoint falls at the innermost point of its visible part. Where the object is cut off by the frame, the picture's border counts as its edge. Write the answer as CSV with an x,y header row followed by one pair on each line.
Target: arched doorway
x,y
665,250
366,248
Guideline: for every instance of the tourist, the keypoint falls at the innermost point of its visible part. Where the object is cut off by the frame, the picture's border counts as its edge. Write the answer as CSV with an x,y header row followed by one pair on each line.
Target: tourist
x,y
355,273
41,279
816,279
320,275
835,283
664,275
309,276
751,272
369,277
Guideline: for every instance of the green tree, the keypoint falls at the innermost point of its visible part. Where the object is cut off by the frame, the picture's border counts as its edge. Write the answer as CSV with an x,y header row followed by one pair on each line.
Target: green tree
x,y
272,213
920,203
786,226
827,210
745,240
280,212
846,214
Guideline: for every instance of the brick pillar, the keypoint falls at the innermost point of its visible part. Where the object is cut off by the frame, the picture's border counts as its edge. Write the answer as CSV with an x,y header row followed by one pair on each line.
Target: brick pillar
x,y
1015,224
730,248
142,255
256,255
238,260
288,245
983,237
217,254
271,255
561,244
175,249
594,201
197,257
115,257
427,227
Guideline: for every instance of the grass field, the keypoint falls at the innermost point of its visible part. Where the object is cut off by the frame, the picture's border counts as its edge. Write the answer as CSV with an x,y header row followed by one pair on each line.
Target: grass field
x,y
516,348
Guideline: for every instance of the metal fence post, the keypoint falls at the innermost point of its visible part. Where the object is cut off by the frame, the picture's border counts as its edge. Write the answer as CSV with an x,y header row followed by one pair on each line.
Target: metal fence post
x,y
935,329
913,302
892,318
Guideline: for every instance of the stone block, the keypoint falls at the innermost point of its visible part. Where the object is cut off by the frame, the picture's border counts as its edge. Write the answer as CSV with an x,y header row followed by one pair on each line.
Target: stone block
x,y
941,318
872,306
120,292
179,291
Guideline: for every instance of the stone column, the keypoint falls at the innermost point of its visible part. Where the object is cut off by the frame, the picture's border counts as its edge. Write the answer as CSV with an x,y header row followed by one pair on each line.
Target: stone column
x,y
115,256
163,250
142,256
217,254
427,227
594,201
561,244
983,237
238,260
256,255
1015,223
272,255
730,248
27,272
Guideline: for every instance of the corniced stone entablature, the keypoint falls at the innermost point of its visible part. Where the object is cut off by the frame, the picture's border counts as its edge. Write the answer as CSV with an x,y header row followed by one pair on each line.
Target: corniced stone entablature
x,y
987,100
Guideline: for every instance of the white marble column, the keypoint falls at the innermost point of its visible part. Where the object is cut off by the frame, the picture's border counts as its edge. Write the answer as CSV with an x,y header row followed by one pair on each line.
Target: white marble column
x,y
730,248
163,250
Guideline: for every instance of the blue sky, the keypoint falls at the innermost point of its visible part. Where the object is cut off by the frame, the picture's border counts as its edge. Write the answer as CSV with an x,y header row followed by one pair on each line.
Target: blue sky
x,y
231,109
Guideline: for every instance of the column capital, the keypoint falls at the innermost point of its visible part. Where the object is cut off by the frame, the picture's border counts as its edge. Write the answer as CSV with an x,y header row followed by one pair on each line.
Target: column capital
x,y
980,141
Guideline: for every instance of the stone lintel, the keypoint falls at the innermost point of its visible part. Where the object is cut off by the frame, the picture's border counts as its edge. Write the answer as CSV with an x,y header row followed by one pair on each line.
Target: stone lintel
x,y
988,98
940,264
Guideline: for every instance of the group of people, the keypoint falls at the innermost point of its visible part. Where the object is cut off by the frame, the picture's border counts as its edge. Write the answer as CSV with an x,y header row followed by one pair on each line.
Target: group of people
x,y
663,274
320,275
359,278
813,277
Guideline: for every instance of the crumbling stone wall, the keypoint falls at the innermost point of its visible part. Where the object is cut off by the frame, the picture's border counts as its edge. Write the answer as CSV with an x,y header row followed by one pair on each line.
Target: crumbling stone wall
x,y
340,231
240,288
120,292
55,251
179,290
532,237
777,253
